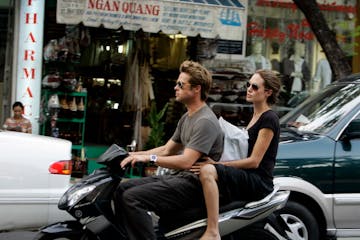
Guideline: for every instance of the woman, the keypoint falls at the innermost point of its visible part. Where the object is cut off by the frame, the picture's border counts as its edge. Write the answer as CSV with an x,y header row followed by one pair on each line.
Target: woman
x,y
250,178
18,123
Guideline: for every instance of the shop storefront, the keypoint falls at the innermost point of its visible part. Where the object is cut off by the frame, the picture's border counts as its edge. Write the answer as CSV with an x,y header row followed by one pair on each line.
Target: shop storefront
x,y
91,79
280,38
279,25
91,75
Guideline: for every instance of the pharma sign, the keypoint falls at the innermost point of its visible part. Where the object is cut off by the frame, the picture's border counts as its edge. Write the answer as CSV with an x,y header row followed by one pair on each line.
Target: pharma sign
x,y
30,48
170,17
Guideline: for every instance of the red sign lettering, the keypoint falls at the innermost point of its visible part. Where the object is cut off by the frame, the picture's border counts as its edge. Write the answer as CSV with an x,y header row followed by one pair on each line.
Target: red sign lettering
x,y
27,73
29,54
31,36
28,90
29,17
292,31
125,7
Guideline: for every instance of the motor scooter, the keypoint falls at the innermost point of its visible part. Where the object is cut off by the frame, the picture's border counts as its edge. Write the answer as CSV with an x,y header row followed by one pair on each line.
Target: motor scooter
x,y
90,202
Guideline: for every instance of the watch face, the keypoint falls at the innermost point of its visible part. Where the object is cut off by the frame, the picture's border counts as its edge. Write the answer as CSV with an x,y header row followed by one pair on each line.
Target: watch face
x,y
153,158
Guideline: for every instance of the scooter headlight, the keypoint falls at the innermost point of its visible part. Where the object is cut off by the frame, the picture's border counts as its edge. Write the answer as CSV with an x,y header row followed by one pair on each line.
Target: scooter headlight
x,y
75,196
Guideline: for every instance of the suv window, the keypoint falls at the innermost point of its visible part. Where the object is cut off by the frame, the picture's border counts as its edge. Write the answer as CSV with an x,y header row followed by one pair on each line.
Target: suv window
x,y
352,131
321,111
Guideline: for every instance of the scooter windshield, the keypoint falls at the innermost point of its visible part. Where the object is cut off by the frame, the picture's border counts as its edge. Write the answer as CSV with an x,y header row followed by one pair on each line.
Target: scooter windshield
x,y
112,153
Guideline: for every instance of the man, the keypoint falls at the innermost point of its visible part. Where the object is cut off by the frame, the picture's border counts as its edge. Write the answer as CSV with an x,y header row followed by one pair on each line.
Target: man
x,y
197,135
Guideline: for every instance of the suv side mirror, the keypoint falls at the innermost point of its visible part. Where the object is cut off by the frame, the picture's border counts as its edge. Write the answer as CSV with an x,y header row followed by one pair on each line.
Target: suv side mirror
x,y
352,131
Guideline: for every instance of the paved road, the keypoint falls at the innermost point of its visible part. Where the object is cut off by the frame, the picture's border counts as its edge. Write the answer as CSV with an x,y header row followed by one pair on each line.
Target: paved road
x,y
28,235
17,235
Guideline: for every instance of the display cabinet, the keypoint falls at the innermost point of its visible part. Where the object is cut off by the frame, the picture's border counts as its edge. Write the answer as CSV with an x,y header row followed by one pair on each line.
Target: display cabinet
x,y
64,116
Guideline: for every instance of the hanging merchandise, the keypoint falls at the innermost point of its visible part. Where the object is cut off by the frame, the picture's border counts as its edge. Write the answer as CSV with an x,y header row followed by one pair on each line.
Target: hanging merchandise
x,y
69,82
146,88
53,101
131,90
147,94
51,50
138,89
68,45
85,38
52,80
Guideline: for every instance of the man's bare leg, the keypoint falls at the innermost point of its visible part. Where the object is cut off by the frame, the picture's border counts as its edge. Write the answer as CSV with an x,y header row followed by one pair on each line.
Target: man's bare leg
x,y
208,176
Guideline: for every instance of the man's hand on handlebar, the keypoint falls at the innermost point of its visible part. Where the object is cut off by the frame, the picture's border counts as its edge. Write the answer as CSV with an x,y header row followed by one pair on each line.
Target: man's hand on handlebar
x,y
133,158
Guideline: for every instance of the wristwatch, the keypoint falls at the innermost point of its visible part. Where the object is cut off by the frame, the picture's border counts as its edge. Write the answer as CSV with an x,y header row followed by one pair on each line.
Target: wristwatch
x,y
153,158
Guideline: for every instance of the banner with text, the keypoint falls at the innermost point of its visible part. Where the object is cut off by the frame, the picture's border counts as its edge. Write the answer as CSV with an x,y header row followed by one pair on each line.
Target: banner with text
x,y
170,17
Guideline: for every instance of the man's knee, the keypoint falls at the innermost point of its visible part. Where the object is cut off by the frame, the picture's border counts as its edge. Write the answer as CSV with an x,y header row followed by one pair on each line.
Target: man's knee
x,y
131,196
118,193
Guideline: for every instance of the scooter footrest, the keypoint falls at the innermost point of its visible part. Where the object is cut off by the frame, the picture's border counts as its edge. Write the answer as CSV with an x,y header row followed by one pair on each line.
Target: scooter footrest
x,y
174,219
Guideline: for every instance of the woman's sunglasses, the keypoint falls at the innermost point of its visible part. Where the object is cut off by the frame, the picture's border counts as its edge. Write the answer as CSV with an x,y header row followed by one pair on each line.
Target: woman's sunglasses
x,y
254,86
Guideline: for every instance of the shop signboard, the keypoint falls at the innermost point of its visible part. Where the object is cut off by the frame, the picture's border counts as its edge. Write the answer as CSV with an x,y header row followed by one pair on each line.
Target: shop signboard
x,y
210,19
29,57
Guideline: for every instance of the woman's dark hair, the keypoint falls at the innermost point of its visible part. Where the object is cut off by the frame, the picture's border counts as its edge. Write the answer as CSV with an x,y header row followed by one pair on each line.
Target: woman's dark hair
x,y
271,82
18,104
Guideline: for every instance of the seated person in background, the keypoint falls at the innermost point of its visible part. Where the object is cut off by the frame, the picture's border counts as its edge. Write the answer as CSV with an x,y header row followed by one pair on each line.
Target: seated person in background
x,y
18,122
250,178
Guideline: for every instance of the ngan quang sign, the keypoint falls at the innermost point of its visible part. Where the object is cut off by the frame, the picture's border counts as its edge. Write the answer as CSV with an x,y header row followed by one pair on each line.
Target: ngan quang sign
x,y
211,19
29,59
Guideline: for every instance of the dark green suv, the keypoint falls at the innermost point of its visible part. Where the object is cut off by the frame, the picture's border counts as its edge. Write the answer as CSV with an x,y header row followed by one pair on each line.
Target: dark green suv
x,y
319,162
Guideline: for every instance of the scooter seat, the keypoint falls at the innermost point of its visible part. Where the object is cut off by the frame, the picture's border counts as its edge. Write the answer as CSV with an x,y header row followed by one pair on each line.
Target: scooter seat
x,y
174,219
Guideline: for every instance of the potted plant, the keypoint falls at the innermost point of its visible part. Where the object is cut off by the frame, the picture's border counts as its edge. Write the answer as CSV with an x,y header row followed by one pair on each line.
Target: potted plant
x,y
156,136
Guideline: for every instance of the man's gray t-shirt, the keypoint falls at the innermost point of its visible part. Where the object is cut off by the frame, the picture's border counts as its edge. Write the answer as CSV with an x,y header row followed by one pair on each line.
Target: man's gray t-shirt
x,y
201,132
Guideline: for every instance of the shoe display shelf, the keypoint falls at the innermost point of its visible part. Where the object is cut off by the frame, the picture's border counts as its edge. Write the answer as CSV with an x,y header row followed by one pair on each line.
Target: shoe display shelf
x,y
64,116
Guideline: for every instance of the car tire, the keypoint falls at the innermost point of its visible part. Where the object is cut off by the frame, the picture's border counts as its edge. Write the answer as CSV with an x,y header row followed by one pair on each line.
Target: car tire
x,y
301,222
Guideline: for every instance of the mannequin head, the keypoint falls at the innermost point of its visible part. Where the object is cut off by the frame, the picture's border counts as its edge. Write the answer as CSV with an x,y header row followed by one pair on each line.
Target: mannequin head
x,y
256,48
299,49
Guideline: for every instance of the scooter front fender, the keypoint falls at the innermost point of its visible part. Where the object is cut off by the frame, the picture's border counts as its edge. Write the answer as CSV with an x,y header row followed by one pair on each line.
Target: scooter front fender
x,y
67,228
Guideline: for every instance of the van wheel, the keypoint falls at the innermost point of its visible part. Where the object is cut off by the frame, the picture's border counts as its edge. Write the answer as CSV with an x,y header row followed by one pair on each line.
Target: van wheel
x,y
301,222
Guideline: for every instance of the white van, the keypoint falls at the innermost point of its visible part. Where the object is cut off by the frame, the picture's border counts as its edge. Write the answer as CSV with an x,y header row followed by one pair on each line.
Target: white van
x,y
34,173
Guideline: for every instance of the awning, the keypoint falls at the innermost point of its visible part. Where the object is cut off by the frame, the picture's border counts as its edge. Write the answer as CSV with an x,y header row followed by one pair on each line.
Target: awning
x,y
225,19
